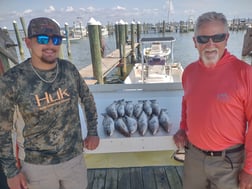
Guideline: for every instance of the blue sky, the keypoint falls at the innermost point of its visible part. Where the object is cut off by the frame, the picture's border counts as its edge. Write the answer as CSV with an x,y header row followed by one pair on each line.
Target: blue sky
x,y
111,11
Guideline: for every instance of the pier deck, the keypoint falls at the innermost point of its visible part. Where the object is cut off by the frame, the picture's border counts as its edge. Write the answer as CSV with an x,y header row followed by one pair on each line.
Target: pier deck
x,y
108,63
157,177
134,170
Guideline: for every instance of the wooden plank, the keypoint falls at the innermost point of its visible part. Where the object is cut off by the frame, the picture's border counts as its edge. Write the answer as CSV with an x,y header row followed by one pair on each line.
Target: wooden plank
x,y
90,176
136,178
173,177
148,178
111,179
99,179
124,178
161,178
180,172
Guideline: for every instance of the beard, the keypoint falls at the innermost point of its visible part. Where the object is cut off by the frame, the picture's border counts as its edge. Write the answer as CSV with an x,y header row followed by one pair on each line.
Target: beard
x,y
210,57
49,59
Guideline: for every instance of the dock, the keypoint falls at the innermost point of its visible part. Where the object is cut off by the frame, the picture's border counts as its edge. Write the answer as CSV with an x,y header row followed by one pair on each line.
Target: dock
x,y
108,64
137,170
158,177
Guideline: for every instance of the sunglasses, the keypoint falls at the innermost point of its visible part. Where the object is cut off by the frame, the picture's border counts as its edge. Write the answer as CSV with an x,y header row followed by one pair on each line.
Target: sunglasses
x,y
44,39
203,39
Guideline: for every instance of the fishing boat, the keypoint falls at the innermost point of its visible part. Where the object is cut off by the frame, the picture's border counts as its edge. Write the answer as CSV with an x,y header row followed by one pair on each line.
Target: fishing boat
x,y
76,33
104,31
119,155
157,63
167,95
71,39
78,30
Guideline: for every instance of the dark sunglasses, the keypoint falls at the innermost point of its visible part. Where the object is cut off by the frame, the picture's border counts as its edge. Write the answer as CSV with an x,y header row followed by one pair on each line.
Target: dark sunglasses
x,y
44,39
215,38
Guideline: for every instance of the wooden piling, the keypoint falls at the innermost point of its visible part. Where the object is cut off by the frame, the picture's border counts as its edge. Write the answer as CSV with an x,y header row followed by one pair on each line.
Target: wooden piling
x,y
126,32
163,27
247,42
24,26
122,39
24,29
138,37
68,46
95,48
138,31
102,43
19,40
117,35
132,34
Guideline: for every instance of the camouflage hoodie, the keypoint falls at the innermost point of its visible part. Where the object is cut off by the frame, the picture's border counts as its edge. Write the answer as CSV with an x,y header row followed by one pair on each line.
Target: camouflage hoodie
x,y
51,131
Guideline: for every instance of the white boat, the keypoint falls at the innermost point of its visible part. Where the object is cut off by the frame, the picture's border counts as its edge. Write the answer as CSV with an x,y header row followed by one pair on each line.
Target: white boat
x,y
167,95
157,63
72,39
104,31
78,30
76,33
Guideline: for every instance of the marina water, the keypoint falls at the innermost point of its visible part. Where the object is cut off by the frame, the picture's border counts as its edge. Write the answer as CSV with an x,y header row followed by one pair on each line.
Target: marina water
x,y
184,50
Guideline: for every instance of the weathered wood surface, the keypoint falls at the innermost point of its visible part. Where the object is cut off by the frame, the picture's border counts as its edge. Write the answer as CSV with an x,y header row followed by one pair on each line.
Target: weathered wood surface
x,y
8,55
158,177
7,46
108,63
247,43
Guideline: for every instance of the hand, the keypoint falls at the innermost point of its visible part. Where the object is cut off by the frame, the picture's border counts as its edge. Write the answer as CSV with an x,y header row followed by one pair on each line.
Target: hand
x,y
17,182
91,142
245,180
180,139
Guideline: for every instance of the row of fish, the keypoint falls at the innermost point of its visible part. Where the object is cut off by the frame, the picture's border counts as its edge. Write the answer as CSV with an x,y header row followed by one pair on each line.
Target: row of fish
x,y
128,118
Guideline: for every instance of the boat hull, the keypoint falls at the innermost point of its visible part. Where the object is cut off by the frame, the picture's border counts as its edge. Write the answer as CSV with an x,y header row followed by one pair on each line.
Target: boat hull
x,y
155,74
167,95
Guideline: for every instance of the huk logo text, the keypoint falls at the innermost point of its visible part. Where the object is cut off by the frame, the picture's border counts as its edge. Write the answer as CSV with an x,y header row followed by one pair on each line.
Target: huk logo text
x,y
52,99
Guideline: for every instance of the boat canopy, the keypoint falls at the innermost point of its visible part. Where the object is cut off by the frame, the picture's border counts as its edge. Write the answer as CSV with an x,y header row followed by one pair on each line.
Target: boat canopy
x,y
150,40
157,39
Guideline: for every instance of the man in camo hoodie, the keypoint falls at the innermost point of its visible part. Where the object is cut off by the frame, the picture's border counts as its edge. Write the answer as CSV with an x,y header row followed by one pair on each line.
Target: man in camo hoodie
x,y
43,93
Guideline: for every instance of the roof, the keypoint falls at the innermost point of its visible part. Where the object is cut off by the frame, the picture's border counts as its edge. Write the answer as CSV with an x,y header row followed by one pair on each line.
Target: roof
x,y
157,39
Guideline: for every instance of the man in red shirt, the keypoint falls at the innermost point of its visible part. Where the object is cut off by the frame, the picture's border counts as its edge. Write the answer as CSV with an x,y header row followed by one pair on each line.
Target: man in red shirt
x,y
216,117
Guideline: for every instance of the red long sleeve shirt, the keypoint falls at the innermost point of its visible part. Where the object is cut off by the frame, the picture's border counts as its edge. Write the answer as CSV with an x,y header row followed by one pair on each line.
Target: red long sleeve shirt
x,y
217,105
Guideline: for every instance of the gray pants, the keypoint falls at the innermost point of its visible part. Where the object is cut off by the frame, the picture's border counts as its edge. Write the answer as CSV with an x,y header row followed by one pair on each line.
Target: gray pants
x,y
211,172
68,175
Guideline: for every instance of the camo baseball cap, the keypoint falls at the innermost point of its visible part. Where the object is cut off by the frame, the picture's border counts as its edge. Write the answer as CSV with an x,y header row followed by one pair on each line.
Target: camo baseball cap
x,y
43,26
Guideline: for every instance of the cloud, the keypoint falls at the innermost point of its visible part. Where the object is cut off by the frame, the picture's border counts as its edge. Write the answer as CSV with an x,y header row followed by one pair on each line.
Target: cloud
x,y
189,12
119,8
50,9
27,11
91,9
82,9
69,9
